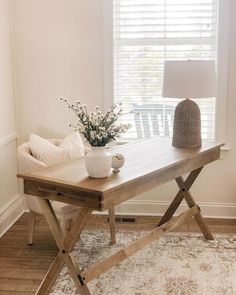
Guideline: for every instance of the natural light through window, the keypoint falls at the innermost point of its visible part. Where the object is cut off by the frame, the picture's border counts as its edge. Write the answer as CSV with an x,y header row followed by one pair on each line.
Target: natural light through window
x,y
146,33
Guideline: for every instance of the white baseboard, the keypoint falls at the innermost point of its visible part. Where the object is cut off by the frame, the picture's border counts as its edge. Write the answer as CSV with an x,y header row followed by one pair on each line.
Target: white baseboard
x,y
10,213
158,208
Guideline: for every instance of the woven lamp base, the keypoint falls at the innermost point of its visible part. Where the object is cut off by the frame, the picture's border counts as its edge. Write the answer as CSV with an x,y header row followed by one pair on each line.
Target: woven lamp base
x,y
187,125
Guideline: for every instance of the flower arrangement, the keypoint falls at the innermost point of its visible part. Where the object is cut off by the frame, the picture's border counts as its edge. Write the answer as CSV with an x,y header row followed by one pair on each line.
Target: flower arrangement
x,y
97,129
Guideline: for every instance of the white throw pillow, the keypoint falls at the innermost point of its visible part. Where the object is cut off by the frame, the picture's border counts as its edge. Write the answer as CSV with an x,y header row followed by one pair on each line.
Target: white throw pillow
x,y
71,148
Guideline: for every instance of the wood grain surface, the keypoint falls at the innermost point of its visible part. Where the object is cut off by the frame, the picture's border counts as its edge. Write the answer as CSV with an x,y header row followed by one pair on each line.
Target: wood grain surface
x,y
149,163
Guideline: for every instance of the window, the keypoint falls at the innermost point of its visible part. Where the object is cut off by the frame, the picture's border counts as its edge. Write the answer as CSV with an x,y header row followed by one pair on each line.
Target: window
x,y
146,33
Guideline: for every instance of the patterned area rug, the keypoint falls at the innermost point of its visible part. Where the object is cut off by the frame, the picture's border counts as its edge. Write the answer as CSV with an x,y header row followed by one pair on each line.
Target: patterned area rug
x,y
177,264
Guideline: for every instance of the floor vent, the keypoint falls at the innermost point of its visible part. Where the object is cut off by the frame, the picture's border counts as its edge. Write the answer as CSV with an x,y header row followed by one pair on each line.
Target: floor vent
x,y
128,219
124,219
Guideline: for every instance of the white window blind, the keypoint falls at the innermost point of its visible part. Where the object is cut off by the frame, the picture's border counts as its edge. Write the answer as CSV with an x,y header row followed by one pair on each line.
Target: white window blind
x,y
146,33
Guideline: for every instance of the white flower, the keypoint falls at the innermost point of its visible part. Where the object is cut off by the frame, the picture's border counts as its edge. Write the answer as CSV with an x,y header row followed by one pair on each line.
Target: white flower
x,y
63,99
80,129
96,126
92,134
99,137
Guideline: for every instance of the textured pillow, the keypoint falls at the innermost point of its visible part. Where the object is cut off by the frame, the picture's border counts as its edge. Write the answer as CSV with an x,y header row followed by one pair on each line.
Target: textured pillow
x,y
71,148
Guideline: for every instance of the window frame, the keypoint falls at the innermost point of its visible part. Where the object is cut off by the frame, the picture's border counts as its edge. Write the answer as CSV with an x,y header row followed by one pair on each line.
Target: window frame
x,y
222,65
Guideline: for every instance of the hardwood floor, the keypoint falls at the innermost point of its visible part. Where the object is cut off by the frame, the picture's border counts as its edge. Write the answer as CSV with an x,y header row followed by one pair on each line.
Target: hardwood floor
x,y
22,267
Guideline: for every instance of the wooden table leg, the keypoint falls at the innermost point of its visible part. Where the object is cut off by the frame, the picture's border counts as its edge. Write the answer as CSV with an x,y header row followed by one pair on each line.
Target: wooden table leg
x,y
102,266
51,276
74,234
65,245
191,203
179,197
112,222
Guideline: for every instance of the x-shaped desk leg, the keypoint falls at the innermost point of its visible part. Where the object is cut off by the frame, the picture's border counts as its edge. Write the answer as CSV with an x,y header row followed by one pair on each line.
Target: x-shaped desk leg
x,y
65,245
184,193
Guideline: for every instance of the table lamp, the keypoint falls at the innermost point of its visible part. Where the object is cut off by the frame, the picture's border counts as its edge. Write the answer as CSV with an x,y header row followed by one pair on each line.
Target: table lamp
x,y
188,79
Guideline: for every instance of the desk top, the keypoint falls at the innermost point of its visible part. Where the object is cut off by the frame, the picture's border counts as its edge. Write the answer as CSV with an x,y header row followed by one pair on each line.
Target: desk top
x,y
149,163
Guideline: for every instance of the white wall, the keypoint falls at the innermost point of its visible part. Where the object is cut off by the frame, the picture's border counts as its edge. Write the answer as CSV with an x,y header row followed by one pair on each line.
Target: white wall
x,y
58,53
8,182
58,49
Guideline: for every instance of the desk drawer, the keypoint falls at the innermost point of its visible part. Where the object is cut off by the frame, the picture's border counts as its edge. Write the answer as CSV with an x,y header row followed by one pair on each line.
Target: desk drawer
x,y
64,195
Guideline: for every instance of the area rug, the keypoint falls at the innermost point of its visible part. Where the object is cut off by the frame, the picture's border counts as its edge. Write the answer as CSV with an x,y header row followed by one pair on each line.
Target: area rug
x,y
177,264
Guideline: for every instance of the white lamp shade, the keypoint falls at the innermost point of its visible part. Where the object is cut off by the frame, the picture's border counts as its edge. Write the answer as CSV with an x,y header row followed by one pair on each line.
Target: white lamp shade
x,y
189,79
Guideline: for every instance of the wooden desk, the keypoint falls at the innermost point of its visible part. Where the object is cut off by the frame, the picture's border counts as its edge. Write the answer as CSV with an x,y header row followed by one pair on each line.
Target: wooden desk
x,y
149,163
